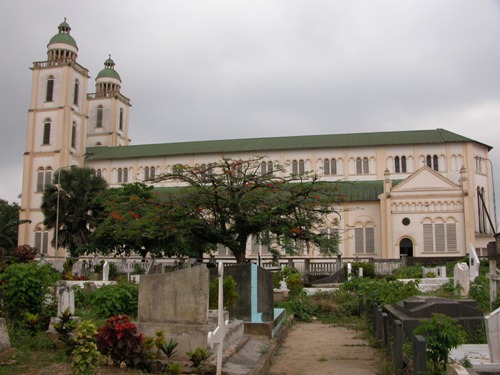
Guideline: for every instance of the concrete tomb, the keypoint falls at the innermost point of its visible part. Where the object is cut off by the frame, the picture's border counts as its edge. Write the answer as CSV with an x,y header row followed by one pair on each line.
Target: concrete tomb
x,y
413,310
177,304
256,303
65,297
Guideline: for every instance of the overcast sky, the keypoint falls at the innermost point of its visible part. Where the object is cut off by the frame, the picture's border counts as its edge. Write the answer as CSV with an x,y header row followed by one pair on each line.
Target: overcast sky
x,y
200,70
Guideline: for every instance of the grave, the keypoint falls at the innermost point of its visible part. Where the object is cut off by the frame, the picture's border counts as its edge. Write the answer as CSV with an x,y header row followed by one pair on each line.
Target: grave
x,y
4,336
414,309
177,304
461,277
256,303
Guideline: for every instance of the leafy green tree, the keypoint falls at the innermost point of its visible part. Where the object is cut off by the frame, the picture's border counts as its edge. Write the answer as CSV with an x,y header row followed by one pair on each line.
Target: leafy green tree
x,y
9,224
136,218
78,211
228,202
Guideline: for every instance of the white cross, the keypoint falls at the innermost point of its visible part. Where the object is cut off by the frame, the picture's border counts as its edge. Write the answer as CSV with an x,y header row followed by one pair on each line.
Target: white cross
x,y
217,336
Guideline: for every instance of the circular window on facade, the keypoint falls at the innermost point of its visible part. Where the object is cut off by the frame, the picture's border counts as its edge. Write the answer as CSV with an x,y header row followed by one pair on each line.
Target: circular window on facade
x,y
406,221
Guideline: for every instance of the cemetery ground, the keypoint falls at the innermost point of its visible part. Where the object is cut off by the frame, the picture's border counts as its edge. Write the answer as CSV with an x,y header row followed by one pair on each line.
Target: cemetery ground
x,y
328,335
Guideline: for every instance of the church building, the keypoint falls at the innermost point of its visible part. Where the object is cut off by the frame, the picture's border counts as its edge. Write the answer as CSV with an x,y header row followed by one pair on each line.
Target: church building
x,y
421,193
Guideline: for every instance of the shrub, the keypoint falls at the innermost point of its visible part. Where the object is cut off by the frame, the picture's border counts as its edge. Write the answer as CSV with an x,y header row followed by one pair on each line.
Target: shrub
x,y
368,269
412,272
119,339
198,357
65,328
442,334
118,299
300,305
85,356
294,283
25,288
24,253
230,296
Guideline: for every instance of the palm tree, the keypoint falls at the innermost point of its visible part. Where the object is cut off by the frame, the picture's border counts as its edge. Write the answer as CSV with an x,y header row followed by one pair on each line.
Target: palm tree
x,y
78,210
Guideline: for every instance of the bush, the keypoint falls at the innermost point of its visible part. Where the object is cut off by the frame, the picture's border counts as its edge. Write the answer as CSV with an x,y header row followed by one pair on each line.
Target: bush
x,y
24,253
413,272
294,283
118,299
25,289
442,334
368,269
119,339
229,293
300,305
85,357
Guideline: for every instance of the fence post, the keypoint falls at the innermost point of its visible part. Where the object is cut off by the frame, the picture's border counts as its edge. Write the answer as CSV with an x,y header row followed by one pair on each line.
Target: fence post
x,y
290,263
307,270
419,355
398,347
374,318
380,326
385,326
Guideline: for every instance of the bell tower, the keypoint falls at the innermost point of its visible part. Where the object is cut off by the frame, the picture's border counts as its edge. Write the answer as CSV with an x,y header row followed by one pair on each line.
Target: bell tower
x,y
57,131
108,110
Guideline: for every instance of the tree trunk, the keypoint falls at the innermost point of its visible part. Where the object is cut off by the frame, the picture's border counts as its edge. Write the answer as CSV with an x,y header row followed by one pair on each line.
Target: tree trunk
x,y
240,252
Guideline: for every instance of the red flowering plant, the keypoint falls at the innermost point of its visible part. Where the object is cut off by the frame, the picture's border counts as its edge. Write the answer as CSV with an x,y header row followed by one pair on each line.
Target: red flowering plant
x,y
25,253
120,339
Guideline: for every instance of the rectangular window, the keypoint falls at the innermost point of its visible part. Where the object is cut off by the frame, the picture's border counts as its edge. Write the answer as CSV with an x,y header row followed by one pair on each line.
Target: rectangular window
x,y
439,237
359,240
42,241
125,175
75,94
370,240
73,136
451,236
120,176
40,181
428,238
120,126
46,133
99,117
50,90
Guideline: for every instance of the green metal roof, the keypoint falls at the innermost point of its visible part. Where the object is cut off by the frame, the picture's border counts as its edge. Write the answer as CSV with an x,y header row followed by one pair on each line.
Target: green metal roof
x,y
109,70
349,191
63,36
109,73
411,137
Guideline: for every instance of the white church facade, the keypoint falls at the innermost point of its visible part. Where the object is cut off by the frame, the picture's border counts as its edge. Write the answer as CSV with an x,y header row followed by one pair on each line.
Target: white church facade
x,y
422,193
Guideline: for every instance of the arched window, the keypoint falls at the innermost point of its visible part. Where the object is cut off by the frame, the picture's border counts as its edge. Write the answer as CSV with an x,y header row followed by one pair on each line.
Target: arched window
x,y
49,94
301,167
366,168
364,239
263,168
403,164
270,168
98,173
73,135
46,132
433,162
120,125
326,167
295,167
125,175
333,166
44,177
397,166
98,123
359,166
75,92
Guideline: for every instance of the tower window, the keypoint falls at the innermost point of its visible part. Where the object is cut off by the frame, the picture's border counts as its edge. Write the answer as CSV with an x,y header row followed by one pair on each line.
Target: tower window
x,y
120,125
46,132
42,240
50,89
98,123
44,177
75,93
73,135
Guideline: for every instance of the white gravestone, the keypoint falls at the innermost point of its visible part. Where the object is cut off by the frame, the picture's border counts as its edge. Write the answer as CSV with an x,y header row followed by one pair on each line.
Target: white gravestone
x,y
105,272
493,334
65,298
461,277
349,270
216,337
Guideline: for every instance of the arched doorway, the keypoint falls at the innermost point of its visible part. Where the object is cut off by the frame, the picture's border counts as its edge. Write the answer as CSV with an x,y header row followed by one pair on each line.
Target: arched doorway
x,y
406,247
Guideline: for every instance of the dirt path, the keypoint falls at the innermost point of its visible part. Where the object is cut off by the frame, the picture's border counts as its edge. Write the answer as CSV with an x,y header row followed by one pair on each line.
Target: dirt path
x,y
324,349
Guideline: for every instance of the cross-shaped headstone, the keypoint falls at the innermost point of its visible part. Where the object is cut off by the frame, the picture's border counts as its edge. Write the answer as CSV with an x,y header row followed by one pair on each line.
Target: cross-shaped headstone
x,y
217,336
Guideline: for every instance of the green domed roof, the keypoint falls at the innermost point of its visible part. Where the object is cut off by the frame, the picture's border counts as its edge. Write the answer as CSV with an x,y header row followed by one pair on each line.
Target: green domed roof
x,y
63,36
109,70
